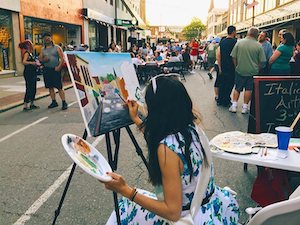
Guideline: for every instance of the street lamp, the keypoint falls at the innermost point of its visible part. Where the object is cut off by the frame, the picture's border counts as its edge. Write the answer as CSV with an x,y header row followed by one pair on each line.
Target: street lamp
x,y
133,21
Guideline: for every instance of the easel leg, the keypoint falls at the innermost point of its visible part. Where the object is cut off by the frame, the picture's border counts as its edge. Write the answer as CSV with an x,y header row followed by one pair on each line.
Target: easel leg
x,y
57,211
136,145
113,164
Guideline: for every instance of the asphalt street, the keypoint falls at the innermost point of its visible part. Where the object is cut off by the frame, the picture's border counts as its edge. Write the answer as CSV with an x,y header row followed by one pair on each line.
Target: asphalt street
x,y
33,161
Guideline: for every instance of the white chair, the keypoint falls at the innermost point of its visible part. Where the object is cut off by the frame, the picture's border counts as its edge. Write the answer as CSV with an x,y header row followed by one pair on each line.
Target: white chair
x,y
282,213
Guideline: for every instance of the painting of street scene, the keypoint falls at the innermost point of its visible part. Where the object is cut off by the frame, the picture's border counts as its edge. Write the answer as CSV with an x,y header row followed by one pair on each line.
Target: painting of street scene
x,y
103,82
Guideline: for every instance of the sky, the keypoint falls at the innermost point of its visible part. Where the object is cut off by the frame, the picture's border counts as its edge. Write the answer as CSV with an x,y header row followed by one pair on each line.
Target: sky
x,y
179,12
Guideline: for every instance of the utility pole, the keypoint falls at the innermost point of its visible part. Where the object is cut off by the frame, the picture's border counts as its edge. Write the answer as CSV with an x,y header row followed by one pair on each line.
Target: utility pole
x,y
253,13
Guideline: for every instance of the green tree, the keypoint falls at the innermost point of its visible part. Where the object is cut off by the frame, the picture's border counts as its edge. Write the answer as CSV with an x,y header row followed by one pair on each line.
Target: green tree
x,y
193,30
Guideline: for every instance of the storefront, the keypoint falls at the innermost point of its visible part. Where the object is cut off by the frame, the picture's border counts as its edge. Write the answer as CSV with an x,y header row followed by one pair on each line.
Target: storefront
x,y
98,34
121,36
10,55
6,41
62,33
60,18
100,30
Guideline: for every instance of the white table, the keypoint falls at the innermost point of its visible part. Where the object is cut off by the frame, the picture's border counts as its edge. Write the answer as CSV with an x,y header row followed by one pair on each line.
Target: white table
x,y
291,163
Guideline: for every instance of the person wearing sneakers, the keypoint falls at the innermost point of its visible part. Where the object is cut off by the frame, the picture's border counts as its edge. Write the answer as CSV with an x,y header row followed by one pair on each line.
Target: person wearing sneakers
x,y
194,54
52,57
247,56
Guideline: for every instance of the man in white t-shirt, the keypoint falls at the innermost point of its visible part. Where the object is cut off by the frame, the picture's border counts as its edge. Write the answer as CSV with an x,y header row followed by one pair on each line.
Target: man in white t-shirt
x,y
160,47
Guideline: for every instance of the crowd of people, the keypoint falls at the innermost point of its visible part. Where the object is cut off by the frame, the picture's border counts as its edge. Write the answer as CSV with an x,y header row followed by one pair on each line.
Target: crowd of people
x,y
239,61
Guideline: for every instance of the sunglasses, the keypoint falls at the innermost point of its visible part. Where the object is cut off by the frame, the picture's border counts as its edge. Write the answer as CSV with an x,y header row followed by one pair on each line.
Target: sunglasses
x,y
153,79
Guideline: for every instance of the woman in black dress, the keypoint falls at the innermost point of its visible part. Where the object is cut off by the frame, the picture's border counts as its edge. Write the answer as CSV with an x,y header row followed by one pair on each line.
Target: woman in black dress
x,y
30,75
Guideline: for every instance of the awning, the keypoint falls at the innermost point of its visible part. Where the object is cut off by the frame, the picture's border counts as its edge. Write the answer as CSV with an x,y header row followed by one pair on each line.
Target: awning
x,y
97,16
216,39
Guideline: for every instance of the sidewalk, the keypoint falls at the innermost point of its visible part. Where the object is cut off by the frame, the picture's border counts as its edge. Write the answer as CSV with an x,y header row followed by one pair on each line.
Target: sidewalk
x,y
12,90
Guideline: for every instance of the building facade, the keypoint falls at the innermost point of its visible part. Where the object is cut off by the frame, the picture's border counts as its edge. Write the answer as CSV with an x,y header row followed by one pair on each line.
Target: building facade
x,y
60,18
94,22
214,15
269,15
110,21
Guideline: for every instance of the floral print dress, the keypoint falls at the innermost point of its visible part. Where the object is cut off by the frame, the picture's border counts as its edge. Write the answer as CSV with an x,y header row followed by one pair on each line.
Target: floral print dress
x,y
221,209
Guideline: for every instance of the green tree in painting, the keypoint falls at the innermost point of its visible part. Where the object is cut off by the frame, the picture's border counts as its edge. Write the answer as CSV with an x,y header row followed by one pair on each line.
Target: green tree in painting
x,y
110,77
193,30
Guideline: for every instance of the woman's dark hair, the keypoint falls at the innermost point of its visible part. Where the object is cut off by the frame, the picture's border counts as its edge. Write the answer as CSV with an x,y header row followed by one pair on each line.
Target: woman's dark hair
x,y
289,39
173,54
25,44
170,110
111,46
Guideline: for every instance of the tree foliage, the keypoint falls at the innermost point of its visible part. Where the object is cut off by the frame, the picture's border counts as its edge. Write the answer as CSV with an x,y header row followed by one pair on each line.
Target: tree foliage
x,y
193,30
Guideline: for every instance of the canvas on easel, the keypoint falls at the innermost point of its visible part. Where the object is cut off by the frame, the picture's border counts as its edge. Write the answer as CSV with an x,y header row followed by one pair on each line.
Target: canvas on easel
x,y
102,83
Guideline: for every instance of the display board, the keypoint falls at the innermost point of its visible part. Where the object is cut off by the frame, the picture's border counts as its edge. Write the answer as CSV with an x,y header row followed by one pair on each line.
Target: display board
x,y
102,83
277,102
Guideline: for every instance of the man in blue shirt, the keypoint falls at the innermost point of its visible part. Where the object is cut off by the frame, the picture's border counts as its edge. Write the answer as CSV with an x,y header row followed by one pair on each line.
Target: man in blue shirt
x,y
267,47
178,48
157,57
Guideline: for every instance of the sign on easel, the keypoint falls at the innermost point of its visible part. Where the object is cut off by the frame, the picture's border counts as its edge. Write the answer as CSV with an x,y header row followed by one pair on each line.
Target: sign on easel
x,y
102,83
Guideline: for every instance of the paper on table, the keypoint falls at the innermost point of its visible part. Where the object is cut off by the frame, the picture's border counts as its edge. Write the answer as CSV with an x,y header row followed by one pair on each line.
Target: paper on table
x,y
271,156
282,154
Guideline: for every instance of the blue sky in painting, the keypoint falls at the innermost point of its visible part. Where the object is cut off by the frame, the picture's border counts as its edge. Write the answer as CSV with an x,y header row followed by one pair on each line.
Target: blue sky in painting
x,y
103,63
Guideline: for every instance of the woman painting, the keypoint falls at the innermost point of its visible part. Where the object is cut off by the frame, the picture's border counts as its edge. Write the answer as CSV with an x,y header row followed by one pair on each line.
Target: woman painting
x,y
30,75
280,60
176,157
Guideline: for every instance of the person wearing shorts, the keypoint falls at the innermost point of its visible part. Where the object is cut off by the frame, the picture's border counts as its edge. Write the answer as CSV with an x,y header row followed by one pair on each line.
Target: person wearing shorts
x,y
243,83
247,56
211,57
194,54
52,58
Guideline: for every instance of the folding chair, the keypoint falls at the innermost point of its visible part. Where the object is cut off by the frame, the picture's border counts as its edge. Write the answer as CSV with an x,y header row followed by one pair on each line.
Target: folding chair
x,y
281,213
150,70
176,67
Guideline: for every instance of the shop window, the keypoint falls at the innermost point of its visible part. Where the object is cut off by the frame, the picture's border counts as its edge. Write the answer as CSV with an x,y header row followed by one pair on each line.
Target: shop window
x,y
258,9
92,36
281,2
6,41
61,33
239,14
270,4
112,2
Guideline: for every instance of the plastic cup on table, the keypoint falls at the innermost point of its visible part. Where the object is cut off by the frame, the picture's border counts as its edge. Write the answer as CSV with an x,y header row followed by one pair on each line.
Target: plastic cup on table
x,y
283,137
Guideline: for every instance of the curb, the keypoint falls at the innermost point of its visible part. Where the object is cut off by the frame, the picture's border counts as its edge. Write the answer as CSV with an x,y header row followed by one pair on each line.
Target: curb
x,y
19,103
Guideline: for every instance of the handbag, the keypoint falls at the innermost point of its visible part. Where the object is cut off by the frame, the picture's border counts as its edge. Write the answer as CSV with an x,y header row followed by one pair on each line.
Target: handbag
x,y
268,186
201,186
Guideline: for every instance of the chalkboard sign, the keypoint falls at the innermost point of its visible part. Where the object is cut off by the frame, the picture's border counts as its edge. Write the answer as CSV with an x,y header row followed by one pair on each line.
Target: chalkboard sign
x,y
277,102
